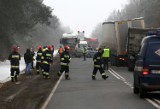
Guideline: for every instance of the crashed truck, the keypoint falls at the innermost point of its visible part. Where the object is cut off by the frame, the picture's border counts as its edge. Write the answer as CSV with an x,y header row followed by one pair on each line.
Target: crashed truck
x,y
71,40
124,39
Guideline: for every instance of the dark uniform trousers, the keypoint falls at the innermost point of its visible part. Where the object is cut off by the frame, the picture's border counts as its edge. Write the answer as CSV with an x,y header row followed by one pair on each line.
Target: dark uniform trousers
x,y
38,67
105,63
66,69
14,73
46,68
96,68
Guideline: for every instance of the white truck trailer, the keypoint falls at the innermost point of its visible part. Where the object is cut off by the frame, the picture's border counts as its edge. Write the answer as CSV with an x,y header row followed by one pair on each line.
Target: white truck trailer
x,y
115,37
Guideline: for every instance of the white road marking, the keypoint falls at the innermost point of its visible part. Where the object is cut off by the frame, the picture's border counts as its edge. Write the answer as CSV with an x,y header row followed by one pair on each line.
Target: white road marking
x,y
114,74
154,102
52,92
118,74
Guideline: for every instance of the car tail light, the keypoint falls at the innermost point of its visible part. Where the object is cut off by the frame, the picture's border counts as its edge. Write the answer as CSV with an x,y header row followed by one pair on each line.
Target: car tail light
x,y
122,59
145,71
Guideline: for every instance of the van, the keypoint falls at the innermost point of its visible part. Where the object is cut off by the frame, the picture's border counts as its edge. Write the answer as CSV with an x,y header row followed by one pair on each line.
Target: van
x,y
147,66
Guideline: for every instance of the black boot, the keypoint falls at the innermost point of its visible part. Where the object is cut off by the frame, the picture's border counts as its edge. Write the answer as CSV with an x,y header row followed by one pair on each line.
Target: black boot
x,y
93,78
67,77
59,74
16,78
12,79
105,77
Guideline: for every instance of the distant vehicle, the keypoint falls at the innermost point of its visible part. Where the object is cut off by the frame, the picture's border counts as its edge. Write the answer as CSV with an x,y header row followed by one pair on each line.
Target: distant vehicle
x,y
79,48
115,37
90,52
147,66
71,40
92,42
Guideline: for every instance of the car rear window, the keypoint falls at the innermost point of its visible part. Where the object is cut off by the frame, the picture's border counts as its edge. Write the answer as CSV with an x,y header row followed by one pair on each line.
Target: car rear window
x,y
153,51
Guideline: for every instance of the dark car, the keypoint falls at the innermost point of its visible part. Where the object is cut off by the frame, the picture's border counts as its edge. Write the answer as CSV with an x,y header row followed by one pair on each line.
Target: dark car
x,y
90,52
147,66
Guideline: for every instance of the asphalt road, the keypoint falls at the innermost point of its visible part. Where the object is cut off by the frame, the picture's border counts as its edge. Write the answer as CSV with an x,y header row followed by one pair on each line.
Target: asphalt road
x,y
81,92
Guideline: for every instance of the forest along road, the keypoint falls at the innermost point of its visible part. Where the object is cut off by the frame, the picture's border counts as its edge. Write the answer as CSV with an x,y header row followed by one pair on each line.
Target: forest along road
x,y
81,92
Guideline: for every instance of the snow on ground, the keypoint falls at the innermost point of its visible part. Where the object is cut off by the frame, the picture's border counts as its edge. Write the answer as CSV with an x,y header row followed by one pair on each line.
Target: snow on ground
x,y
5,69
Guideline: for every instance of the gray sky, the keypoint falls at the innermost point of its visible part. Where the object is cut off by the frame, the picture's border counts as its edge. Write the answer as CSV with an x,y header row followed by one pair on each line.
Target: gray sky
x,y
84,15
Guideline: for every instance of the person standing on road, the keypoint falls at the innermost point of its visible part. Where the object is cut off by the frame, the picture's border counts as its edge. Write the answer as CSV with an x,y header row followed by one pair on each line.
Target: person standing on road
x,y
84,53
14,58
47,60
28,60
38,59
60,50
65,60
106,55
98,65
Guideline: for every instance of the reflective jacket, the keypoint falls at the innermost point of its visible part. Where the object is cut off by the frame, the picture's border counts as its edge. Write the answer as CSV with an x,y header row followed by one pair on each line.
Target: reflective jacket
x,y
106,52
84,50
14,58
97,58
47,57
65,58
60,50
39,55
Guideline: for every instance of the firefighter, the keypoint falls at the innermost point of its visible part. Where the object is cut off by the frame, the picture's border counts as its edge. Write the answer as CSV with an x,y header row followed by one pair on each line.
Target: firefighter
x,y
60,50
47,60
14,58
38,59
84,53
106,55
65,60
98,65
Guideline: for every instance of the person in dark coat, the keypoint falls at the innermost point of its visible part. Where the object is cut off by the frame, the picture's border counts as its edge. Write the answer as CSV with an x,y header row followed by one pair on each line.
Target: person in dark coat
x,y
28,60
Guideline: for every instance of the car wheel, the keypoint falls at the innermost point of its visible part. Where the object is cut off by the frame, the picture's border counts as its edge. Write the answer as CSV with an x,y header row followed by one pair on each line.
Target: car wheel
x,y
135,89
142,93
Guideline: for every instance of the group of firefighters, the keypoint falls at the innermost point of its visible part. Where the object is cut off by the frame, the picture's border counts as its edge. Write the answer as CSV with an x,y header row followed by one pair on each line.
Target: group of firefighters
x,y
44,58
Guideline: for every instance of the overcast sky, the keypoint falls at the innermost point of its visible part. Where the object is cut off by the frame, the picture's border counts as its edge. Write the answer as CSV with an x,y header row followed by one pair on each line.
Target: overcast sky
x,y
83,15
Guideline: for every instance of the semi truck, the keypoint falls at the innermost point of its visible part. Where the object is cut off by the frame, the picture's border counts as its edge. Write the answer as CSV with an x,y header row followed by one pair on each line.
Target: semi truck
x,y
115,36
92,42
71,40
135,36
